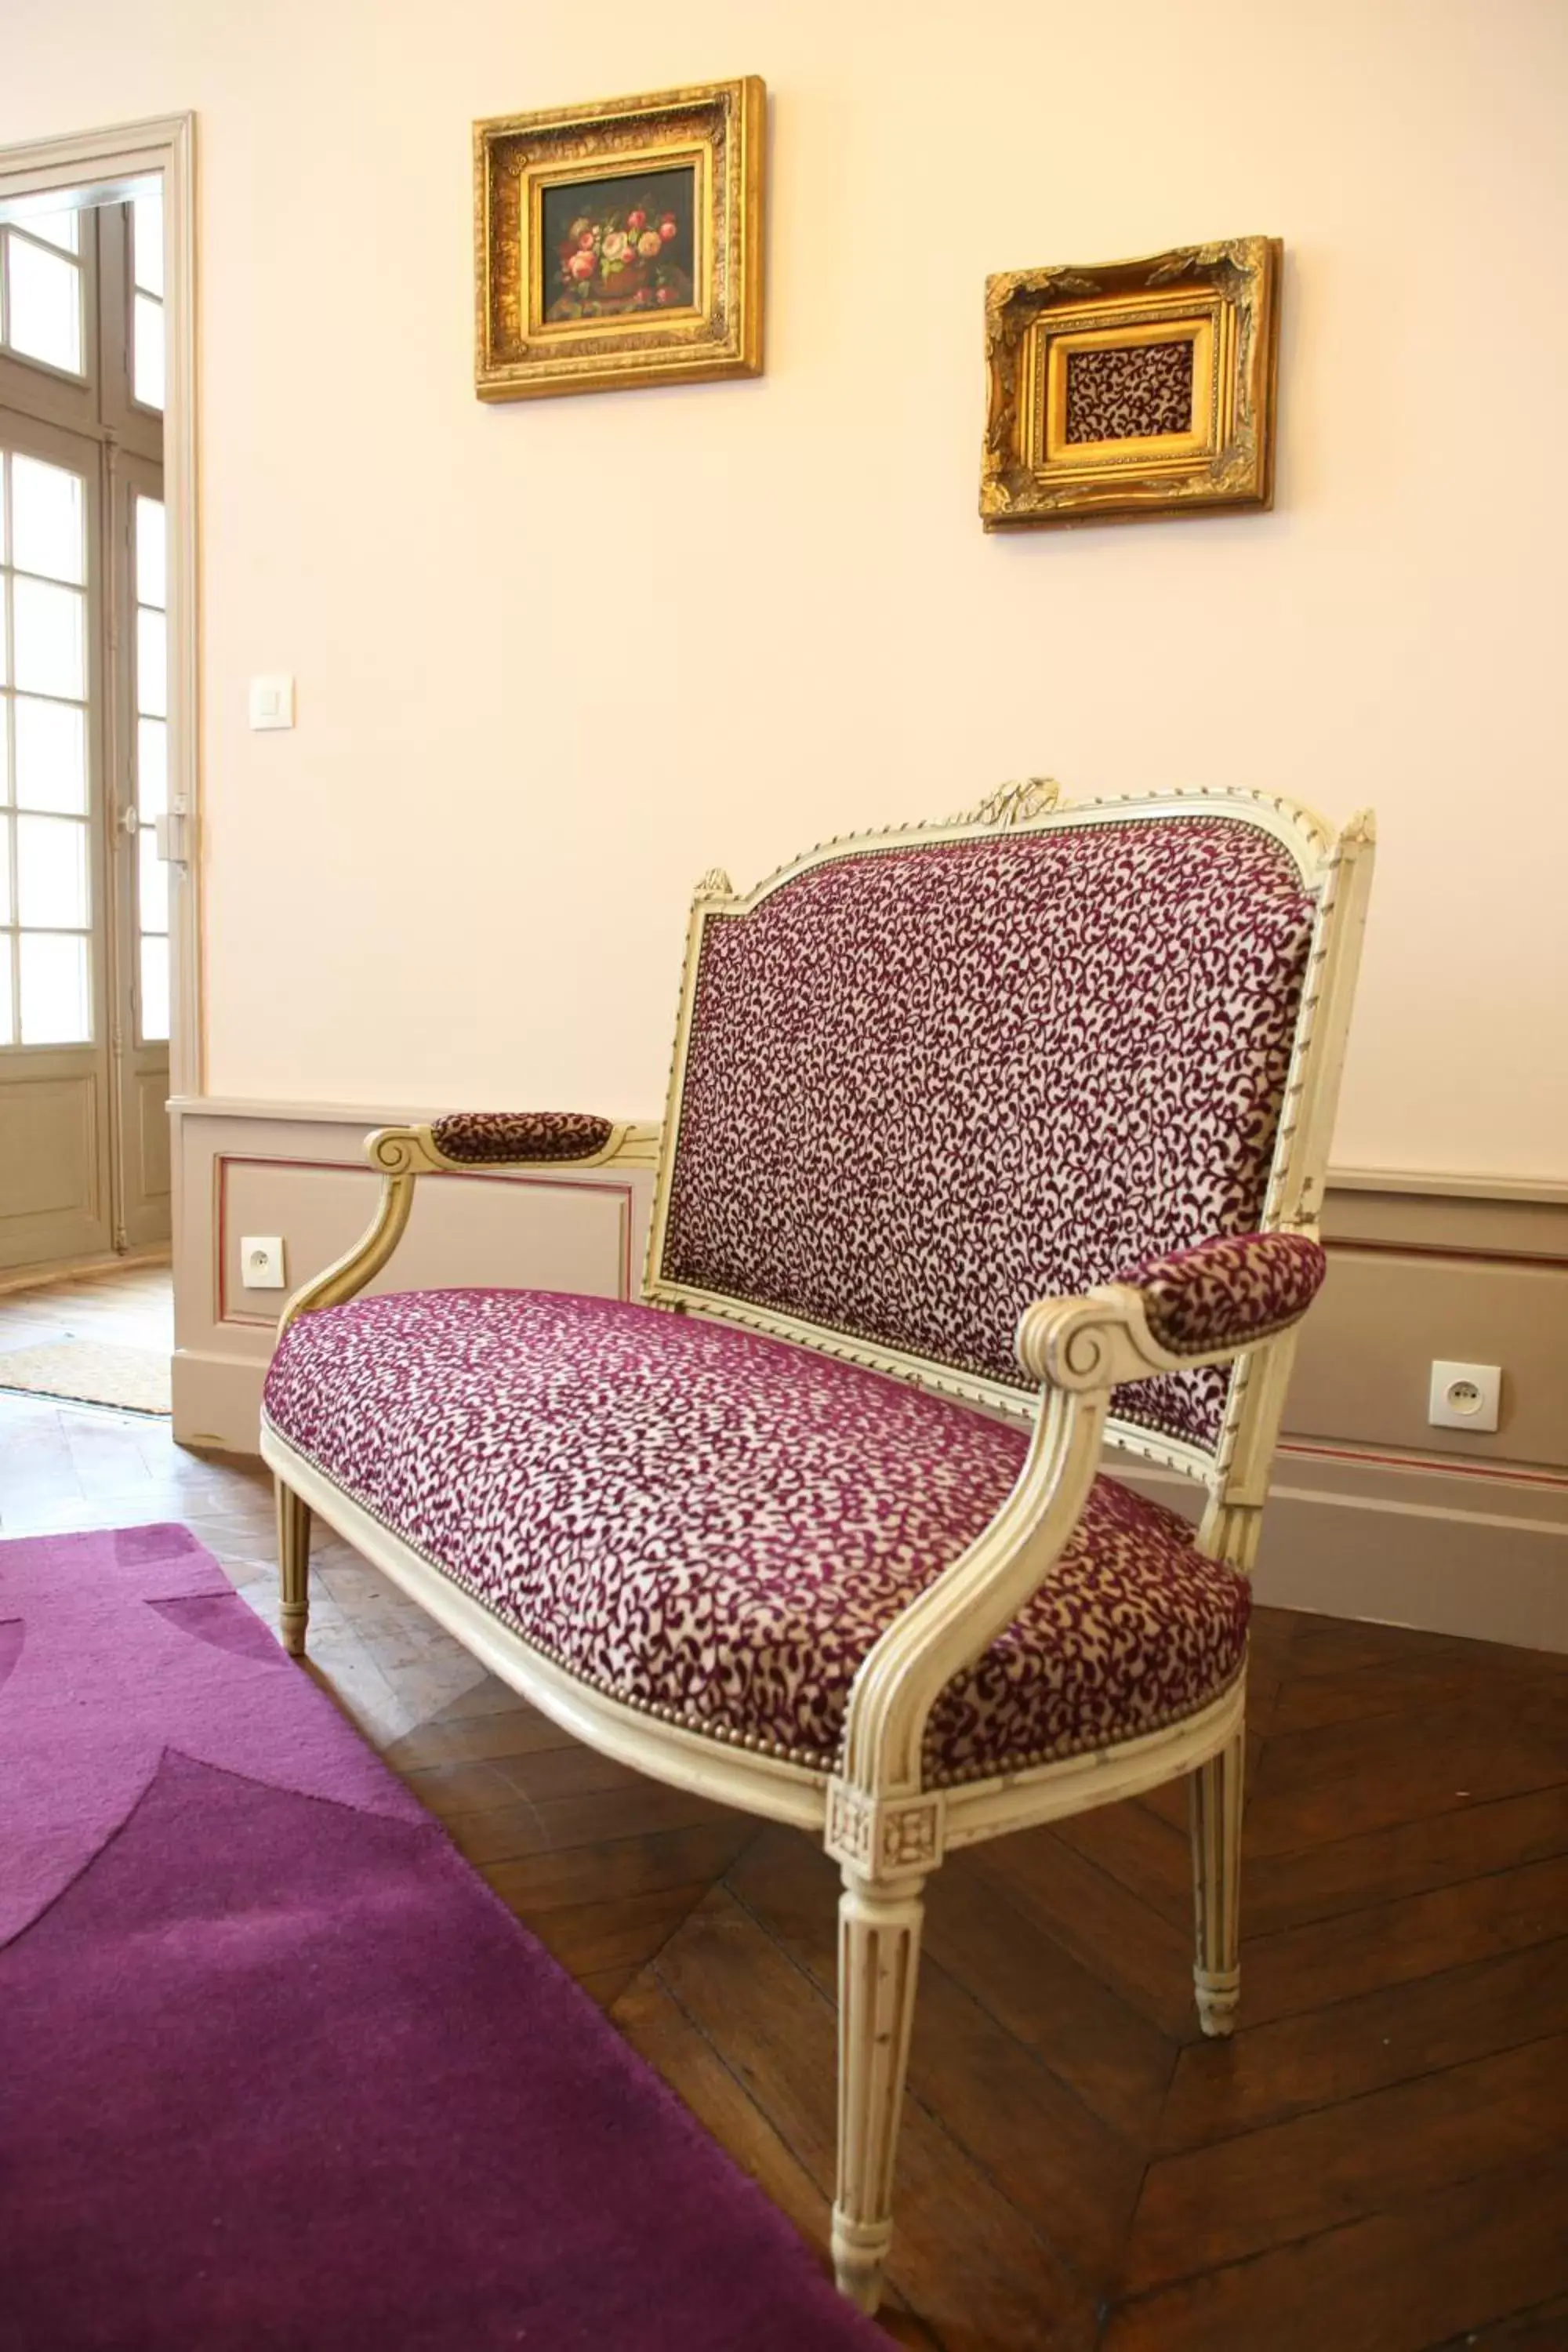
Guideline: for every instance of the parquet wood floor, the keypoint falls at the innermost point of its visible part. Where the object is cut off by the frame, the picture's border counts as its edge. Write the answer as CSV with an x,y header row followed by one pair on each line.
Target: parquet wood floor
x,y
1377,2163
131,1306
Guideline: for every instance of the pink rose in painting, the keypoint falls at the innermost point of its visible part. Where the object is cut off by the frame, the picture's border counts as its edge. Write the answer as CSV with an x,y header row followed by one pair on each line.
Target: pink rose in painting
x,y
649,243
663,295
585,239
667,227
635,221
581,265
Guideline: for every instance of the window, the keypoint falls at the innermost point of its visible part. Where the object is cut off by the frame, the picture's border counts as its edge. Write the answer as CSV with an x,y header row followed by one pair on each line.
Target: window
x,y
150,754
147,299
45,902
41,299
85,903
83,626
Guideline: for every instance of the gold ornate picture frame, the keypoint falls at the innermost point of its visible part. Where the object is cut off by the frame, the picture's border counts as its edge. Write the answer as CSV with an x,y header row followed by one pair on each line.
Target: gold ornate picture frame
x,y
1132,387
620,243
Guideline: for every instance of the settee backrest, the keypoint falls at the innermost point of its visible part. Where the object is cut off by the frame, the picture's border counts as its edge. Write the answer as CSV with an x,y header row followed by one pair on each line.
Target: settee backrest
x,y
923,1079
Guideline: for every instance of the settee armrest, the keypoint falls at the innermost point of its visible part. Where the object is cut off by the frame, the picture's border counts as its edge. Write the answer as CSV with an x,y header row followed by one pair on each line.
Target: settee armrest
x,y
451,1145
1227,1294
472,1138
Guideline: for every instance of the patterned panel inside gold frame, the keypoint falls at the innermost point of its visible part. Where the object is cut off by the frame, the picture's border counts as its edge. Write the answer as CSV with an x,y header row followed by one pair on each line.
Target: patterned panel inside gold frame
x,y
1124,394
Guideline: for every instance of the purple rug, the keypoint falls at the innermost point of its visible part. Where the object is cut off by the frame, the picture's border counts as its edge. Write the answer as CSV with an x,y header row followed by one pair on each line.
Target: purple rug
x,y
277,2073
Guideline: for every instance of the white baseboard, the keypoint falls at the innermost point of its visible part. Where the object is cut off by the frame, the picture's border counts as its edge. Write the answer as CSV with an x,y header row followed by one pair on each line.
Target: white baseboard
x,y
1466,1572
1480,1554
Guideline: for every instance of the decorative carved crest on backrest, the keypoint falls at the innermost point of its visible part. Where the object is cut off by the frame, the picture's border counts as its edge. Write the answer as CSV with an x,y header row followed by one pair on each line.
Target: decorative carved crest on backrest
x,y
1013,803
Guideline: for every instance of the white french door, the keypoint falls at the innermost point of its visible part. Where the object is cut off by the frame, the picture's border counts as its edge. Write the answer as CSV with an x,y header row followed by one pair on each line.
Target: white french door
x,y
56,1188
84,951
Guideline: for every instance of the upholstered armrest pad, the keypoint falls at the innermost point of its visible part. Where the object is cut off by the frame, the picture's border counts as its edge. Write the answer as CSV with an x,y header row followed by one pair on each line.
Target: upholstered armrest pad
x,y
477,1136
1228,1293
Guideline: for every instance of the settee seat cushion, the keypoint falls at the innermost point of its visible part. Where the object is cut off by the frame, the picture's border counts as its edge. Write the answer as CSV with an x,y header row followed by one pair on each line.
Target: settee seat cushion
x,y
715,1527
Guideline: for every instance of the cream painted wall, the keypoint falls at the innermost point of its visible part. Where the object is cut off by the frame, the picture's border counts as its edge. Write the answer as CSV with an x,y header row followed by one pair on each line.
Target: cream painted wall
x,y
554,659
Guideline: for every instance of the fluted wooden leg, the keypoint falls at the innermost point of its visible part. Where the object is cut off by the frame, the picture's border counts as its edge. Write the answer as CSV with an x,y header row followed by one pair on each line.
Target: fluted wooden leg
x,y
293,1567
879,1961
1216,1884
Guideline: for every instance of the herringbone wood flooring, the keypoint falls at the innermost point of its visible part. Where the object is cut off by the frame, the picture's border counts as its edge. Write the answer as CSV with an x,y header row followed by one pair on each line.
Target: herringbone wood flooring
x,y
1377,2163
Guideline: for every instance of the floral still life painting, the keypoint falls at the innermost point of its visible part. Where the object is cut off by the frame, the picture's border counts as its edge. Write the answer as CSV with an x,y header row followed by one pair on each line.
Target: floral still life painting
x,y
620,246
620,243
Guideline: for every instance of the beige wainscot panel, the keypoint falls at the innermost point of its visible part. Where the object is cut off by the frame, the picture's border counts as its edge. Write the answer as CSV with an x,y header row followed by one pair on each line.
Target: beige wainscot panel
x,y
504,1232
51,1170
1367,1355
299,1175
1374,1515
1374,1512
1416,1279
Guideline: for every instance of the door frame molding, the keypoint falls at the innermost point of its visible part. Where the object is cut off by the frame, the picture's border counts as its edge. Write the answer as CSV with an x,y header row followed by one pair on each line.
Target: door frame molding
x,y
108,160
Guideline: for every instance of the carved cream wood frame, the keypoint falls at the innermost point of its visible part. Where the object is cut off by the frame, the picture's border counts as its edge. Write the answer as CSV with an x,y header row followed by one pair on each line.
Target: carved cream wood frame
x,y
884,1824
1335,868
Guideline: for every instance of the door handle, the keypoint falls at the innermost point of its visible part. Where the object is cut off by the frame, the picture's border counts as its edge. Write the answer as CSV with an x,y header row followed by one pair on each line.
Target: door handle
x,y
172,837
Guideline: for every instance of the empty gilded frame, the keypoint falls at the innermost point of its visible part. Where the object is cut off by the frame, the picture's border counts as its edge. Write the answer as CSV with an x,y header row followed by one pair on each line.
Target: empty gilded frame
x,y
620,243
1132,387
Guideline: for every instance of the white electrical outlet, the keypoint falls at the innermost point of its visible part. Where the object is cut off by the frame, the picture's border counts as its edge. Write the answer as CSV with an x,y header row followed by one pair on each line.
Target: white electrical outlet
x,y
1465,1396
261,1261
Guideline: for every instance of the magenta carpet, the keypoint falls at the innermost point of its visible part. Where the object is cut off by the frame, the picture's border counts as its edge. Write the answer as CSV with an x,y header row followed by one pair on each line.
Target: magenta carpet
x,y
275,2068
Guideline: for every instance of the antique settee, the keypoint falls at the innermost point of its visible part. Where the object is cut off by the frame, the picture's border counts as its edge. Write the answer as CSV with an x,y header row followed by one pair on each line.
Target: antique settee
x,y
987,1143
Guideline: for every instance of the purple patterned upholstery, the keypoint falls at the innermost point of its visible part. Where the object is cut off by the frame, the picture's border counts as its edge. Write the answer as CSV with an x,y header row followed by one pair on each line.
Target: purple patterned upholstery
x,y
1228,1294
928,1085
498,1136
715,1527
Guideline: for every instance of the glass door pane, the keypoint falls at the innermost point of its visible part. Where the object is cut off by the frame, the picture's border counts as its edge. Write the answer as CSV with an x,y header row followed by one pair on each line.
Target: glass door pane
x,y
55,989
150,788
41,310
147,298
47,520
68,946
45,905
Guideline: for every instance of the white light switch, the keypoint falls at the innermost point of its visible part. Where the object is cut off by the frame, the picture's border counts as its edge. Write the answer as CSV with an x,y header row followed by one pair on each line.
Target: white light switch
x,y
271,702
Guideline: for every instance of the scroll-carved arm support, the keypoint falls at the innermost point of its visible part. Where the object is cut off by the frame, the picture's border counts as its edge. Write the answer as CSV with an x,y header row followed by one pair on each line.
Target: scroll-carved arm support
x,y
885,1828
455,1145
1203,1306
